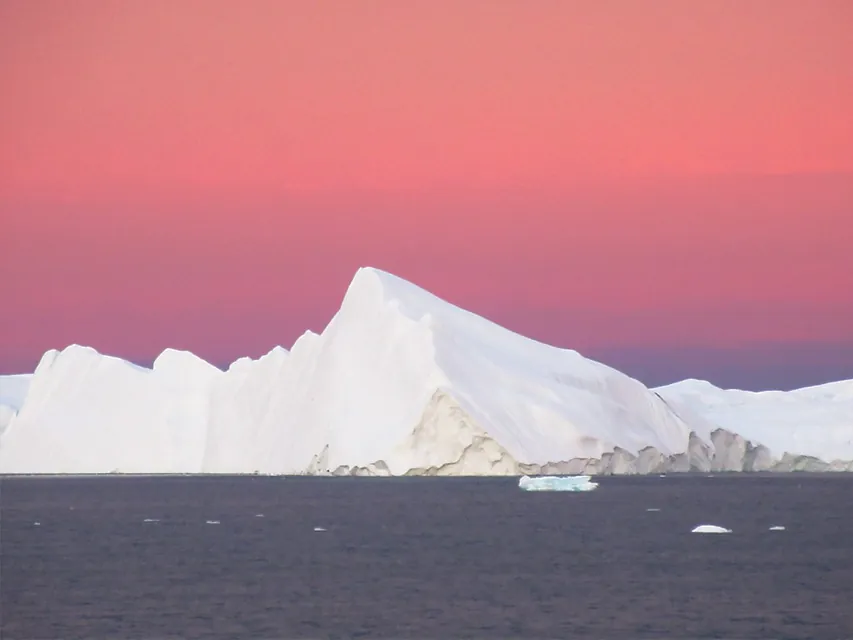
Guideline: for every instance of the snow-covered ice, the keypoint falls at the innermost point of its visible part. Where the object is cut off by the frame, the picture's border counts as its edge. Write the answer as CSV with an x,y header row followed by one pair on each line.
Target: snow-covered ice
x,y
399,382
89,413
556,483
13,390
814,421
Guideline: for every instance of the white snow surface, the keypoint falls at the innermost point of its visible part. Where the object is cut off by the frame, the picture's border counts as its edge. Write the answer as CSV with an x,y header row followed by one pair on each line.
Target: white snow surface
x,y
13,391
398,377
815,421
90,413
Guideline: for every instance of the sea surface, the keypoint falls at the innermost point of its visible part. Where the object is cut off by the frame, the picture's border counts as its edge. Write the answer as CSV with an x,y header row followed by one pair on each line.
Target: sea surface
x,y
425,558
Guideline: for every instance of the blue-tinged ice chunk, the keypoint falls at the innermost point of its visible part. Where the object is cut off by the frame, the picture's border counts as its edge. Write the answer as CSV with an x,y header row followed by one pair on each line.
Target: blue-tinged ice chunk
x,y
556,483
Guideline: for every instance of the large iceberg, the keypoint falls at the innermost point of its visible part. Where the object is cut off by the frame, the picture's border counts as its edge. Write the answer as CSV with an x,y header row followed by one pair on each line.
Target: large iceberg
x,y
399,382
556,483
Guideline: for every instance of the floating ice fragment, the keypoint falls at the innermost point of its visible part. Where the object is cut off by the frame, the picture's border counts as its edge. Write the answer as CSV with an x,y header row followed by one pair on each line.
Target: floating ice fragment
x,y
652,509
776,528
259,515
710,528
151,520
36,524
212,522
319,529
556,483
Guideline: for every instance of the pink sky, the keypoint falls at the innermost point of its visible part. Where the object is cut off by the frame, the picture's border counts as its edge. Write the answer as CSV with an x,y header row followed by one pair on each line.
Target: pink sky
x,y
208,174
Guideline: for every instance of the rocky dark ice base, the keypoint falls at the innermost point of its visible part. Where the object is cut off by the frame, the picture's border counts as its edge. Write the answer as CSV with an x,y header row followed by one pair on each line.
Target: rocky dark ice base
x,y
728,452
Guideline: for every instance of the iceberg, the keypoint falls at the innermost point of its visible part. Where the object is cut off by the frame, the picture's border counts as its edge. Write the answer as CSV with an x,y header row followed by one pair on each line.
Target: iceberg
x,y
556,483
401,382
710,528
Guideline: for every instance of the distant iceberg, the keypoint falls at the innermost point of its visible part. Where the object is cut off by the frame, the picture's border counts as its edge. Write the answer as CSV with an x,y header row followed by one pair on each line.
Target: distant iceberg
x,y
556,483
710,528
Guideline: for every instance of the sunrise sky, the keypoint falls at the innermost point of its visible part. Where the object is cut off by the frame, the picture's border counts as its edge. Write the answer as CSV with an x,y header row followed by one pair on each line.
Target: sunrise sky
x,y
664,185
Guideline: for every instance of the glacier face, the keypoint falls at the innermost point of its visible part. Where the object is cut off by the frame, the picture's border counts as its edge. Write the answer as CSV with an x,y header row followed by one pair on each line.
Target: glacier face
x,y
399,382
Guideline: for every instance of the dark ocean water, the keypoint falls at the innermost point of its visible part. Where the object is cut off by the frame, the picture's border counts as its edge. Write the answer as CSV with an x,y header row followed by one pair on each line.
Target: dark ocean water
x,y
425,558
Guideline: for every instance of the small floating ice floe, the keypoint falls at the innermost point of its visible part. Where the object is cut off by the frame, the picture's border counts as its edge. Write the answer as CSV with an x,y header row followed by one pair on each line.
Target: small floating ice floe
x,y
777,527
710,528
556,483
151,520
36,524
259,515
212,522
319,529
653,509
